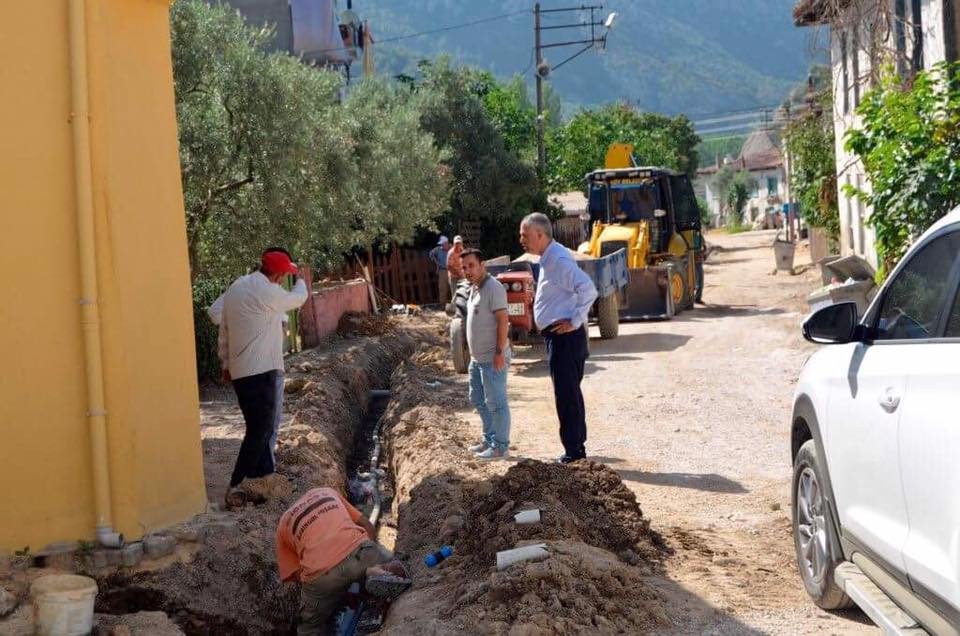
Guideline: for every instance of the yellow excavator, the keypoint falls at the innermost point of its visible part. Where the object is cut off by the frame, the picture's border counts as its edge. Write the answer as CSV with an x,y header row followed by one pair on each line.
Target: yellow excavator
x,y
653,214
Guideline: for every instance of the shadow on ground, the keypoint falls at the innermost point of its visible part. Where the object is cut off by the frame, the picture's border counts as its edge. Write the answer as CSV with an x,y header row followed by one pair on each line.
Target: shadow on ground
x,y
708,482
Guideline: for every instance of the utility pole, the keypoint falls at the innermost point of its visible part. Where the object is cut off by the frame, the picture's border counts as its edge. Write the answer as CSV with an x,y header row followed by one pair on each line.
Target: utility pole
x,y
541,150
543,69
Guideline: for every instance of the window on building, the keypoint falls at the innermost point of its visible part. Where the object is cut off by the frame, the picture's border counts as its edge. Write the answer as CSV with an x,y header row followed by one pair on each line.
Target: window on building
x,y
916,16
845,77
855,58
772,186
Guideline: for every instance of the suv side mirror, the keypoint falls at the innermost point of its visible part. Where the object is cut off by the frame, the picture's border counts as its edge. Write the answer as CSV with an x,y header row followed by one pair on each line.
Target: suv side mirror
x,y
836,324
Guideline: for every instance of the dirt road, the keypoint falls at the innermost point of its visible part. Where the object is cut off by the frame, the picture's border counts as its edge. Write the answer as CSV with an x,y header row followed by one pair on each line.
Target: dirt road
x,y
693,413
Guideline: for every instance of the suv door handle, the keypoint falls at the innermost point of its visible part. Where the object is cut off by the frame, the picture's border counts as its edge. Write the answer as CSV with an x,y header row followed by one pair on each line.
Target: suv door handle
x,y
889,400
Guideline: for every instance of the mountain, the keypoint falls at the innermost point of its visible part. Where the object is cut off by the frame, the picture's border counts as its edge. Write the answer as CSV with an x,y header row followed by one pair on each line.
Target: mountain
x,y
699,57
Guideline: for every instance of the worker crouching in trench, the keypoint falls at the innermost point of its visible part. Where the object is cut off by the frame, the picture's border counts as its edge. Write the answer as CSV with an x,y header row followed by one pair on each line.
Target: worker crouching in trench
x,y
326,545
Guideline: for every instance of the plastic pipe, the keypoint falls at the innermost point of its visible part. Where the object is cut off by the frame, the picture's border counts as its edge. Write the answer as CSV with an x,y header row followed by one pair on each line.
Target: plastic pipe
x,y
89,294
507,558
527,516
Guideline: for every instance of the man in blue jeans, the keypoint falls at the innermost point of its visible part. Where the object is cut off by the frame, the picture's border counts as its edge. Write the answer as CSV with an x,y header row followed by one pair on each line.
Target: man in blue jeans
x,y
488,338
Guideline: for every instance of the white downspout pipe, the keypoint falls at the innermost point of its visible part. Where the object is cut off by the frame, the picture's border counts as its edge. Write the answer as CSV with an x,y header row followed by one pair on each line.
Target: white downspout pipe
x,y
89,294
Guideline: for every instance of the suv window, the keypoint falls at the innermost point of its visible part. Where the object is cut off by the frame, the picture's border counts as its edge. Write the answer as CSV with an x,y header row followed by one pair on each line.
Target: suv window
x,y
953,320
915,300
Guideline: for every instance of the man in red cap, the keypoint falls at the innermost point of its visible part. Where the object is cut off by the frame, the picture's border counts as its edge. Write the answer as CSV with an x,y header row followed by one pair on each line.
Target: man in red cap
x,y
251,355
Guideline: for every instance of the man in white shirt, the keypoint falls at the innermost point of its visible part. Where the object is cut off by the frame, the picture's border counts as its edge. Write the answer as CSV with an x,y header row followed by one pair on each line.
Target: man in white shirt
x,y
215,311
251,354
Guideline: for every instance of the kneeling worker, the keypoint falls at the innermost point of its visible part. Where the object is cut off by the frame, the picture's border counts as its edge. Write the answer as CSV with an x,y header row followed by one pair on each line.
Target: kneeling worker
x,y
327,545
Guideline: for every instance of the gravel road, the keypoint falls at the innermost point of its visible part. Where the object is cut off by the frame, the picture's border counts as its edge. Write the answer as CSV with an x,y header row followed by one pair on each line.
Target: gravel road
x,y
693,413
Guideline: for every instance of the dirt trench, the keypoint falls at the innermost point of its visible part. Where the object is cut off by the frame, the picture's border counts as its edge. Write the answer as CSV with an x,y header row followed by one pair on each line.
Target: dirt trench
x,y
228,583
601,547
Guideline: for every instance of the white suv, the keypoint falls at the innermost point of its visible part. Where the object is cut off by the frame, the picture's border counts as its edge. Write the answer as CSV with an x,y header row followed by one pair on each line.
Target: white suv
x,y
876,447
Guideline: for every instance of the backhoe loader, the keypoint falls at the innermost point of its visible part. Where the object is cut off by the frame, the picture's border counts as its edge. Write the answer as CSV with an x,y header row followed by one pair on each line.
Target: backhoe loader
x,y
653,214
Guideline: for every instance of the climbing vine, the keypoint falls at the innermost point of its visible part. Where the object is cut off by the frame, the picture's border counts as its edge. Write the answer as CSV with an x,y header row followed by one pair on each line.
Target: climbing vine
x,y
909,143
810,143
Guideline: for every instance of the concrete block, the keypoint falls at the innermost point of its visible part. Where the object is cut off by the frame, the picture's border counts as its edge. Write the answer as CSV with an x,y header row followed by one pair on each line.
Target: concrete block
x,y
114,558
220,530
8,601
59,556
96,560
158,546
131,554
103,558
187,533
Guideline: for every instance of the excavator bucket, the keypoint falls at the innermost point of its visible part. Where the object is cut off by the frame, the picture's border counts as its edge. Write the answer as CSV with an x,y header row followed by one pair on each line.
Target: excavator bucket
x,y
648,295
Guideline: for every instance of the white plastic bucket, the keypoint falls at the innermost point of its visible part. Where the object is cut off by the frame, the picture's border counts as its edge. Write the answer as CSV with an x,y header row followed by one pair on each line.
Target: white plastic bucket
x,y
63,604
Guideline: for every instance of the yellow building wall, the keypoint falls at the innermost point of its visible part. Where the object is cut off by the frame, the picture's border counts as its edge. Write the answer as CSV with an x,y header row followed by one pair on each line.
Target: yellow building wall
x,y
142,270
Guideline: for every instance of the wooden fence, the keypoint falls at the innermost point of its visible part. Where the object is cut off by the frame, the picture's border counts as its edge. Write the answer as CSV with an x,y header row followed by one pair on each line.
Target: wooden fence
x,y
404,275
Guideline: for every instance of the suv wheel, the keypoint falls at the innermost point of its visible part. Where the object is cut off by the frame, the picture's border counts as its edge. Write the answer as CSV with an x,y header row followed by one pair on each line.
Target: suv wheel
x,y
814,535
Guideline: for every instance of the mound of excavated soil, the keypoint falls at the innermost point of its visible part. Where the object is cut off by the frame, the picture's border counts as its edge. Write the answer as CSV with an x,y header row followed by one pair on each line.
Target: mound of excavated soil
x,y
578,589
601,549
584,501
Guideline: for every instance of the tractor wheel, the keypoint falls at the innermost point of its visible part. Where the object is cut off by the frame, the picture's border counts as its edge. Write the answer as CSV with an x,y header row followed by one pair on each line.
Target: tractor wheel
x,y
608,316
458,345
680,287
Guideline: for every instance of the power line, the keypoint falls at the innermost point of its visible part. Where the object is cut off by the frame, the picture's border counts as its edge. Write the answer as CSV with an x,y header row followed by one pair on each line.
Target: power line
x,y
728,118
752,109
451,27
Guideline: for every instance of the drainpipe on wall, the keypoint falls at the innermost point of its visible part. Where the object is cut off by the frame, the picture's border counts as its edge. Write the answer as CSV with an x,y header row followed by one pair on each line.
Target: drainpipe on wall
x,y
89,309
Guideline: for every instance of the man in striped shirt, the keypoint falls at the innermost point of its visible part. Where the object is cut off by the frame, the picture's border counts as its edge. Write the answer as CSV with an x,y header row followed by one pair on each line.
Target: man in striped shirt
x,y
251,355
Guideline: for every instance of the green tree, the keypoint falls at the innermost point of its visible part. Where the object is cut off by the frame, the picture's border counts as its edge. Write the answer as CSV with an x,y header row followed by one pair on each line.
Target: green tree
x,y
395,184
510,111
811,145
580,145
722,181
909,142
491,182
270,155
737,197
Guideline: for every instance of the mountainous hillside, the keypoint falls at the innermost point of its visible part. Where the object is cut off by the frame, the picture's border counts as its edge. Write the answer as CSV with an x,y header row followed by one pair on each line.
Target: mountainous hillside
x,y
699,57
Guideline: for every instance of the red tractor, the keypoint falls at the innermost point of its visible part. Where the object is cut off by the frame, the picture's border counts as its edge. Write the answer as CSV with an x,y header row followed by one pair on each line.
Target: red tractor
x,y
609,275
